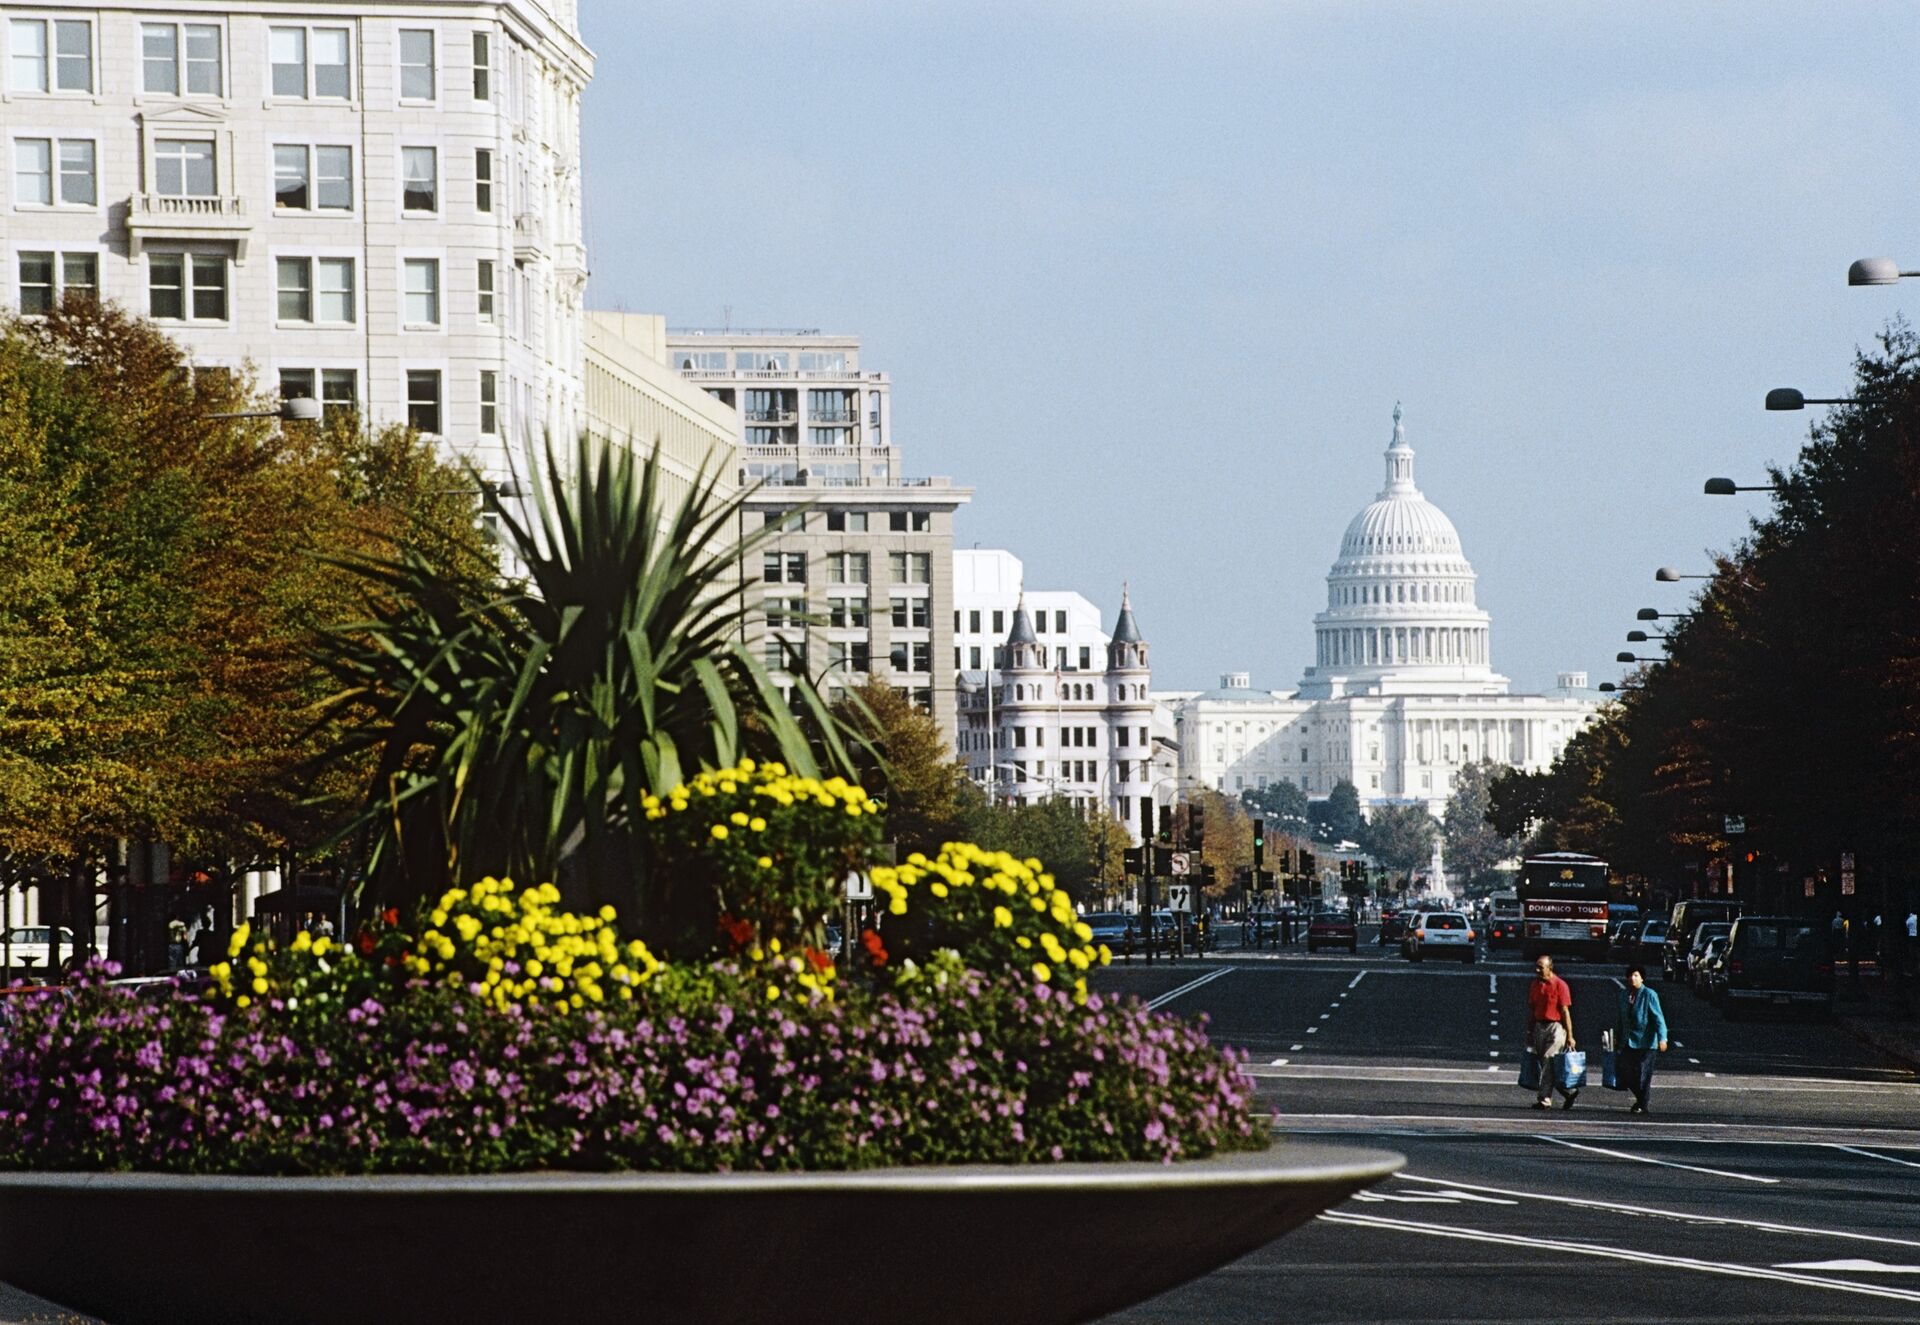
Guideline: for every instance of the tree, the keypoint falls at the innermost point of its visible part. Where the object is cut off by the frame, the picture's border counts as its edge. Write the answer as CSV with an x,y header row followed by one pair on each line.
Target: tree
x,y
1055,831
906,763
1338,818
1282,805
1474,846
165,572
1401,837
1229,839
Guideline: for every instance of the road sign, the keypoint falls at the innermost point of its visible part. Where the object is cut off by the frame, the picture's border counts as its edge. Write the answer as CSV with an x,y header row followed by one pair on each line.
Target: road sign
x,y
859,887
1180,897
1179,863
1735,825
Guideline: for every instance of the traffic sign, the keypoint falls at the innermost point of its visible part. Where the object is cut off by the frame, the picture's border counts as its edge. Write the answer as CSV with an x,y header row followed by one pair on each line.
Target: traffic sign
x,y
1180,897
1179,863
859,887
1735,824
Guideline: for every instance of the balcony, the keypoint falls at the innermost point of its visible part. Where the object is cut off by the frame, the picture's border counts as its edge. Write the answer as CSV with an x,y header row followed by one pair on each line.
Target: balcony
x,y
529,237
834,417
772,416
167,217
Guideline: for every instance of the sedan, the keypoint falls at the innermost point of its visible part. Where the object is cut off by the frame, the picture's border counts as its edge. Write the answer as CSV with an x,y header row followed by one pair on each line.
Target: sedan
x,y
1439,934
1332,929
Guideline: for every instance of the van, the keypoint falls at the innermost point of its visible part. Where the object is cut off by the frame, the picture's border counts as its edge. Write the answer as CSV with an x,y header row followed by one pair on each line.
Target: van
x,y
1687,917
1776,961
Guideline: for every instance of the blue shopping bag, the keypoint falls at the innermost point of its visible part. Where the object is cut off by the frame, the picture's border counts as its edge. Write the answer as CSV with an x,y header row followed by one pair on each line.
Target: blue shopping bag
x,y
1610,1071
1573,1069
1529,1072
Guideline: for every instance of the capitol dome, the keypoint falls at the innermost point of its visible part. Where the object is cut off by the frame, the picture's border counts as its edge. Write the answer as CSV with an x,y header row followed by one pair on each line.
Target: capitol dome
x,y
1401,617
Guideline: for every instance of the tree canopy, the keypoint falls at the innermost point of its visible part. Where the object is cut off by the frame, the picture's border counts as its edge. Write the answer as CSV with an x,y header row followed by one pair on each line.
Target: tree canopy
x,y
1401,837
1472,844
1338,817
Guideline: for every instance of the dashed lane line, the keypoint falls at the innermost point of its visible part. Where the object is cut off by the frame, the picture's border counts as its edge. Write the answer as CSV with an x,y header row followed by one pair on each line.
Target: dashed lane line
x,y
1663,1163
1507,1239
1854,1150
1355,982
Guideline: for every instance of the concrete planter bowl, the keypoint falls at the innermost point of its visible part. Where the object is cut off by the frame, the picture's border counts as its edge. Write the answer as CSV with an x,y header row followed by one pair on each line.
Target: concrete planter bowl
x,y
1041,1244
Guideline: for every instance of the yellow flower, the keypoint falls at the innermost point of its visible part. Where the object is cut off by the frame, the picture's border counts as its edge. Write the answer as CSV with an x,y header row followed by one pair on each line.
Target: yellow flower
x,y
719,832
1002,918
757,824
1041,973
773,993
259,985
765,862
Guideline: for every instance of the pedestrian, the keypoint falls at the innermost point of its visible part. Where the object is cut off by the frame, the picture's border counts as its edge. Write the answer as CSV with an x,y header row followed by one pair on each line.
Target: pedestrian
x,y
176,945
1639,1031
1550,1031
323,930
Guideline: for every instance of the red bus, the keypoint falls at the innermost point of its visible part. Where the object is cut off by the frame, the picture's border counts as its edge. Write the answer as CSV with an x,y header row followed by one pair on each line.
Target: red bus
x,y
1563,905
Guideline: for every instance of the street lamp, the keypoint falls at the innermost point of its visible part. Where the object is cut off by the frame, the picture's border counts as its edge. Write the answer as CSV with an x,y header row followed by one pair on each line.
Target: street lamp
x,y
298,409
1635,658
1668,575
1876,271
1649,614
1726,487
1641,637
1609,688
1786,397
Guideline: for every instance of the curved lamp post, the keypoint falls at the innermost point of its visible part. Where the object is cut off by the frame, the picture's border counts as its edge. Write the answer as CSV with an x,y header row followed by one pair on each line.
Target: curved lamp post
x,y
1786,397
1641,637
1635,658
1669,575
1649,614
299,409
1876,271
1726,487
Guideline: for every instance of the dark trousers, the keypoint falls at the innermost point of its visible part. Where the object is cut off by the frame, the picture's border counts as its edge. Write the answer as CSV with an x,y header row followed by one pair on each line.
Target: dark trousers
x,y
1635,1067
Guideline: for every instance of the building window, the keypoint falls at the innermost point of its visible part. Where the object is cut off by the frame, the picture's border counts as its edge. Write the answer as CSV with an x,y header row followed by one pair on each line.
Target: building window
x,y
339,388
308,178
847,568
897,522
183,167
482,67
168,49
416,64
483,179
485,272
315,289
294,283
489,402
310,62
47,278
912,612
72,56
423,400
910,567
422,292
187,287
917,658
784,567
847,612
34,162
846,522
420,185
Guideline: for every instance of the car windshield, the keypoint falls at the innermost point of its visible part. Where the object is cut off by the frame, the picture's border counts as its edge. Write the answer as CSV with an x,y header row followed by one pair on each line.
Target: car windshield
x,y
1446,920
1655,929
1779,936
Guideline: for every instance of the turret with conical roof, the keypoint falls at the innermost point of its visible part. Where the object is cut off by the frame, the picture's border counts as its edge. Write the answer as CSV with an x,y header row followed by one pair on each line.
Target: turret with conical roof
x,y
1024,652
1127,650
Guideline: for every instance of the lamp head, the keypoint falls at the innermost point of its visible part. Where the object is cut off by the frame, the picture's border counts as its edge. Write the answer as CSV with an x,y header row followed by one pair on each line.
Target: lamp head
x,y
1646,614
1786,397
1636,637
1721,487
1625,658
300,409
1873,271
1667,575
1608,688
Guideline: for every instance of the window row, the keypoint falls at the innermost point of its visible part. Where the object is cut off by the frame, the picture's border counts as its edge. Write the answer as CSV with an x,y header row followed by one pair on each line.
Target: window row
x,y
854,522
786,655
306,62
849,568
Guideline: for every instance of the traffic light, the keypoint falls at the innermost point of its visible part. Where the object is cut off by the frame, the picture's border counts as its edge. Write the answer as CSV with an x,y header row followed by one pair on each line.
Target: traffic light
x,y
1132,861
1196,826
1306,862
1259,842
1164,834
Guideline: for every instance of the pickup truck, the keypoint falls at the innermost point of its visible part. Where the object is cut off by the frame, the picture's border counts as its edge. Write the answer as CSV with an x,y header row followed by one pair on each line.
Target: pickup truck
x,y
1775,961
1333,929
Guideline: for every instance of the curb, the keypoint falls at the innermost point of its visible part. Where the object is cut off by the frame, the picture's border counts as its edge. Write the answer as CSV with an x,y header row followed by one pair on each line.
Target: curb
x,y
1906,1048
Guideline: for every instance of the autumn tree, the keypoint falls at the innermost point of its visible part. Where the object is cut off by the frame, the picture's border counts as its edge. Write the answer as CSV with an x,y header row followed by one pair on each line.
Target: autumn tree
x,y
908,764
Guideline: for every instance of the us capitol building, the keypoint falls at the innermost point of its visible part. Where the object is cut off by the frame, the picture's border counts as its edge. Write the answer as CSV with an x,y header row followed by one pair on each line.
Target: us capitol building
x,y
1402,690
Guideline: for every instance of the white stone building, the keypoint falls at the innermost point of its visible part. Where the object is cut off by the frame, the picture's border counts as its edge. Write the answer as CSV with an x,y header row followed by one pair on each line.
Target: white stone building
x,y
374,204
988,584
1402,691
1033,730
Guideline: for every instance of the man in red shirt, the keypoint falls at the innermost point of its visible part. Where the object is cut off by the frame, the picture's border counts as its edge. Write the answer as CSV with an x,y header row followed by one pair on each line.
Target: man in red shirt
x,y
1551,1032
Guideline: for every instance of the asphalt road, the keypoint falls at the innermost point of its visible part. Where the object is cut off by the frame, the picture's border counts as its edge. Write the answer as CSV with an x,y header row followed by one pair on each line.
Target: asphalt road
x,y
1777,1178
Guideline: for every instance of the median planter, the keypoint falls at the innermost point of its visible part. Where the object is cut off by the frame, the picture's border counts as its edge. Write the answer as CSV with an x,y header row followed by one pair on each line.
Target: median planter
x,y
1034,1243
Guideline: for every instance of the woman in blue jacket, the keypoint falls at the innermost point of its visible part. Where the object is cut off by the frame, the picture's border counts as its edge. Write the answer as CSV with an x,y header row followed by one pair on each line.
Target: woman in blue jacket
x,y
1639,1028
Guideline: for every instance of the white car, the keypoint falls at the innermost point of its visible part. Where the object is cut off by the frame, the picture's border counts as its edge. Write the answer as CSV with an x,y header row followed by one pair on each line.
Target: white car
x,y
1440,934
29,949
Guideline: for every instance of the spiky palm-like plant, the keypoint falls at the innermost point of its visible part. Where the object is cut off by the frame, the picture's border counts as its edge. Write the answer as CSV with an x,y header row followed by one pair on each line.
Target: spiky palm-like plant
x,y
515,730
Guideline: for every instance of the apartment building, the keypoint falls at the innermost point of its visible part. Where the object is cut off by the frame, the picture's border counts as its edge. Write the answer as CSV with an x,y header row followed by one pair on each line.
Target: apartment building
x,y
857,576
376,205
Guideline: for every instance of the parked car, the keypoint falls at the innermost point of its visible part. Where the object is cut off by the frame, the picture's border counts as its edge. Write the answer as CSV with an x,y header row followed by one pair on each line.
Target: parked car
x,y
1333,929
1109,927
1687,917
1648,944
1702,935
1503,924
1439,934
1713,971
1777,961
1701,976
31,947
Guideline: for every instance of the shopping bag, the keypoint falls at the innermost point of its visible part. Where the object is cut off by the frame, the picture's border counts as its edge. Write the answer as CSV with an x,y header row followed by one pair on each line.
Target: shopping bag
x,y
1529,1072
1610,1071
1573,1069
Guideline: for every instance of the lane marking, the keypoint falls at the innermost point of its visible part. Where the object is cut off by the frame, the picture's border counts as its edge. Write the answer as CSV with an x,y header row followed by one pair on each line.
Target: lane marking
x,y
1656,1212
1325,1015
1354,983
1188,987
1622,1254
1694,1061
1852,1266
1663,1163
1296,1048
1855,1150
1313,1030
1493,985
1278,1062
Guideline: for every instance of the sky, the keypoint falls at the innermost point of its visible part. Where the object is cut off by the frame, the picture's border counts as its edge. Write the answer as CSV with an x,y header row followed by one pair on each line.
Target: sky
x,y
1150,277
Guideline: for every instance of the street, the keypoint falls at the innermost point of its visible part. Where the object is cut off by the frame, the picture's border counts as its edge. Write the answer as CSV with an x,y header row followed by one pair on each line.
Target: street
x,y
1777,1177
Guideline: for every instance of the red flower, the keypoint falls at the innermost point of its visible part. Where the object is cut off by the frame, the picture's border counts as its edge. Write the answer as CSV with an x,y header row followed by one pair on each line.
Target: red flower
x,y
390,916
364,942
738,930
819,960
876,950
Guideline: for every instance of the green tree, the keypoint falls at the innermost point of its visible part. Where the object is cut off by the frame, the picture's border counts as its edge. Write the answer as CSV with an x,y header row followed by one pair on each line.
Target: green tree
x,y
906,762
1282,805
1401,837
1473,845
1338,817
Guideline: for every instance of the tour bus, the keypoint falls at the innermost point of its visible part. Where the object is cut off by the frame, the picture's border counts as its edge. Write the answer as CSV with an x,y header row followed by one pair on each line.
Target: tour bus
x,y
1563,905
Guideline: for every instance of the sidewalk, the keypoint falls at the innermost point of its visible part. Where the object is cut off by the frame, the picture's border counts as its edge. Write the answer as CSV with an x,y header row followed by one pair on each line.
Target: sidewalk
x,y
1881,1017
18,1308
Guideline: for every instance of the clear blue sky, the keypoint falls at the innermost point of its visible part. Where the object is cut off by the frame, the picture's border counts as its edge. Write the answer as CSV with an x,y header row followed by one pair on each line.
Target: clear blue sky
x,y
1150,276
